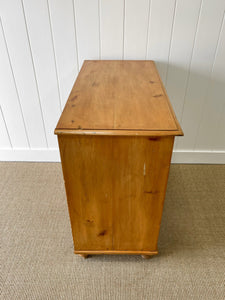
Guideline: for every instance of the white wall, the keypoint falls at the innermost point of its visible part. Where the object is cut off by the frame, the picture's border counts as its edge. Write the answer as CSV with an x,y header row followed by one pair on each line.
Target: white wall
x,y
44,42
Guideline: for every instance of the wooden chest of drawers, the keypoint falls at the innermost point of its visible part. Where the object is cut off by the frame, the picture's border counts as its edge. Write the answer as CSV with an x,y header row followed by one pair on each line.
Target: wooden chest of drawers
x,y
116,137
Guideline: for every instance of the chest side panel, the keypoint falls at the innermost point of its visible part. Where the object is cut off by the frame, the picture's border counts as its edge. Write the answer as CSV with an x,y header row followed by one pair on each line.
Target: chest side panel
x,y
87,166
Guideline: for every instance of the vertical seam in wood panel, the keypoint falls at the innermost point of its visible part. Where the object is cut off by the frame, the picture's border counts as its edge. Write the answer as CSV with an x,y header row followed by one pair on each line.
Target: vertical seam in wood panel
x,y
35,76
123,28
209,82
75,30
170,44
190,62
149,9
54,56
14,80
3,118
99,28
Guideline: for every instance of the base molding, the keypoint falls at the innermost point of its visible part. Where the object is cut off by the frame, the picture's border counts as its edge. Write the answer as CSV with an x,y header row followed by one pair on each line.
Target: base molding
x,y
52,155
119,252
198,157
24,154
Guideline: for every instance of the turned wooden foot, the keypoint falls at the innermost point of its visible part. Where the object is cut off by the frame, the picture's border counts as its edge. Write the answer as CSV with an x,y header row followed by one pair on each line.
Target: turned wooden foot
x,y
146,256
84,255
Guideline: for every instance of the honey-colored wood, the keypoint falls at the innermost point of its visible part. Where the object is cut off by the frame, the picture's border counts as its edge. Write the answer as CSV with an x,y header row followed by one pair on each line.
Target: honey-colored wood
x,y
115,190
116,137
84,255
142,166
114,132
114,252
87,167
118,95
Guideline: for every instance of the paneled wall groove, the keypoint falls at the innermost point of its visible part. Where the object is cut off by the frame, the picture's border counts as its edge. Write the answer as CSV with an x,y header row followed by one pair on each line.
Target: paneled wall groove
x,y
99,27
16,89
209,83
147,40
170,44
43,44
124,7
35,76
189,66
75,36
5,137
210,20
56,69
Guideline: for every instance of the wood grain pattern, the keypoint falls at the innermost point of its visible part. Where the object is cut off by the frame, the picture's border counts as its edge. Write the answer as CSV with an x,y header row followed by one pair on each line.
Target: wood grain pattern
x,y
103,132
116,177
87,164
114,252
118,95
115,190
142,166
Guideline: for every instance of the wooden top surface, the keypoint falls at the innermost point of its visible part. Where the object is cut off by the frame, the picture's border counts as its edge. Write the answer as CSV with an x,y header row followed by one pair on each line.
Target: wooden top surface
x,y
118,98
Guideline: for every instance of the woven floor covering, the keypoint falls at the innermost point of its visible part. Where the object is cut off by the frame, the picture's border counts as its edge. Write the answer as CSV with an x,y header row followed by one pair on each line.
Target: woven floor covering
x,y
37,260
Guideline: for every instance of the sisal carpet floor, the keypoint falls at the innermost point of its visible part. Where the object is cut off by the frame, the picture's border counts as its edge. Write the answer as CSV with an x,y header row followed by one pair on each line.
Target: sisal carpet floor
x,y
37,260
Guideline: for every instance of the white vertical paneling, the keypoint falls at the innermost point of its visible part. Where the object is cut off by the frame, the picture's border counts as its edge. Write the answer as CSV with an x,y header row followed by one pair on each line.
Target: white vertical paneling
x,y
159,35
183,37
136,28
88,33
211,133
4,136
40,37
111,22
201,66
19,52
43,44
218,138
64,37
10,104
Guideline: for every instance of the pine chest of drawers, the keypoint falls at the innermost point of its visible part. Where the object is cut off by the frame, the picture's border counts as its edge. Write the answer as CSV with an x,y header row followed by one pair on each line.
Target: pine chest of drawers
x,y
116,137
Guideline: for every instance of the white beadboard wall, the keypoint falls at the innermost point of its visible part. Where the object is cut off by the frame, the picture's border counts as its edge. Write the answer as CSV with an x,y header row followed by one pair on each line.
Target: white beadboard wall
x,y
43,44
